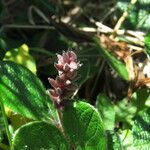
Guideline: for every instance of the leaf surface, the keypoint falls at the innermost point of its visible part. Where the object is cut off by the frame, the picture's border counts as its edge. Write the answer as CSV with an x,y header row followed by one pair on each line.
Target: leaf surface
x,y
106,110
113,141
147,43
37,136
22,92
84,126
141,131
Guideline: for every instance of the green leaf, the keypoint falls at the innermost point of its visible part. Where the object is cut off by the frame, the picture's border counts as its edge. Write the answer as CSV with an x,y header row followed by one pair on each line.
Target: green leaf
x,y
106,110
21,56
147,102
39,136
113,142
147,43
126,109
126,138
22,92
117,65
141,131
84,126
141,97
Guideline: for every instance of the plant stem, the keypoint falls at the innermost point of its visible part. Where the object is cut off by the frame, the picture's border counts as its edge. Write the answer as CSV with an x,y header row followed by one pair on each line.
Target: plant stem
x,y
60,120
6,123
123,17
125,135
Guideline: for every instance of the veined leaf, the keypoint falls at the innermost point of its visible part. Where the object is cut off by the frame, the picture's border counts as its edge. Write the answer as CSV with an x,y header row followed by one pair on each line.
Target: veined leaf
x,y
141,131
84,126
39,136
22,92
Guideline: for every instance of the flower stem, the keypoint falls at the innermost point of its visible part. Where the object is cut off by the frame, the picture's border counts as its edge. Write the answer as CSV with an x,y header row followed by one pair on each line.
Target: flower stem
x,y
6,123
60,120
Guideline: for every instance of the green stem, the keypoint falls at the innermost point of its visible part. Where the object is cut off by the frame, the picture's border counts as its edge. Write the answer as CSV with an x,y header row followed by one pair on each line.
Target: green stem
x,y
125,135
60,120
6,124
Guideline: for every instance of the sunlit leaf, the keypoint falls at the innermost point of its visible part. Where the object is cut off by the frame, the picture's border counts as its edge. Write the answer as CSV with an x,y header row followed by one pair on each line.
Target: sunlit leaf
x,y
147,43
39,136
23,92
127,139
84,126
21,56
141,131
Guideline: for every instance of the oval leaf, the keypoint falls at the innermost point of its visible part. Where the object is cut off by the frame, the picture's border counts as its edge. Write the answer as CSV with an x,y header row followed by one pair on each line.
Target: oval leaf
x,y
84,126
22,91
39,136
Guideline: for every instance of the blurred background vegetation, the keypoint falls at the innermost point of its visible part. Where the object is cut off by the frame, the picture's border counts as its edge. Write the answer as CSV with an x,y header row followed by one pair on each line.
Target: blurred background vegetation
x,y
32,32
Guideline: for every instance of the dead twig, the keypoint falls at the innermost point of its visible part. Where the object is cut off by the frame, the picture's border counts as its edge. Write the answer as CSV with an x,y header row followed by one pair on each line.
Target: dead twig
x,y
123,17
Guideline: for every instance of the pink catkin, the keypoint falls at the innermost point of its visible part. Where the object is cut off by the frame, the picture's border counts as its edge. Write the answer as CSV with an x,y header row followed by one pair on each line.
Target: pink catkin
x,y
64,86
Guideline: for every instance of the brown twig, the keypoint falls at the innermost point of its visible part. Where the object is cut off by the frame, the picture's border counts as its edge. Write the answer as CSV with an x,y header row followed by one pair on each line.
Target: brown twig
x,y
123,17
